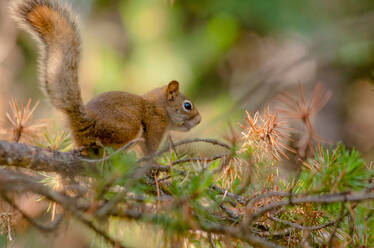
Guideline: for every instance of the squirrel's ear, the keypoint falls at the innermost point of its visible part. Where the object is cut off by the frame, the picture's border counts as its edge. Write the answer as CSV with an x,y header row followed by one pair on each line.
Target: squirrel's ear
x,y
172,90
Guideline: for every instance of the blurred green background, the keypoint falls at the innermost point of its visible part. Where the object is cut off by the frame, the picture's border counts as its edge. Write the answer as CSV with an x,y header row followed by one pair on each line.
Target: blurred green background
x,y
227,55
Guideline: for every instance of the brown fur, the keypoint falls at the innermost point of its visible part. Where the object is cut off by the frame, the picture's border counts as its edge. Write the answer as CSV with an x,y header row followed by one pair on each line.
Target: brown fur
x,y
113,118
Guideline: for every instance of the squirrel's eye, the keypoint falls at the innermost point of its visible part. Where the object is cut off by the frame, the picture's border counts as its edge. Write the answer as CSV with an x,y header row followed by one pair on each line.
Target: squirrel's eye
x,y
187,105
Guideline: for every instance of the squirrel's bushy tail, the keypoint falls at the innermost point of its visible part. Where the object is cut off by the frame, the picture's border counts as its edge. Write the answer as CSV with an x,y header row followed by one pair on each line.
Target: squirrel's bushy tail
x,y
55,29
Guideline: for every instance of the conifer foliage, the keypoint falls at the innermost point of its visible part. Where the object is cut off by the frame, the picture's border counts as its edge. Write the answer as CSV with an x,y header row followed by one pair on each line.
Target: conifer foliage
x,y
236,198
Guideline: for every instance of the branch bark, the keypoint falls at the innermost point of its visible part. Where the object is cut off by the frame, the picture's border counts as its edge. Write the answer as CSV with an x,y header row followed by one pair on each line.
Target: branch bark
x,y
71,163
38,159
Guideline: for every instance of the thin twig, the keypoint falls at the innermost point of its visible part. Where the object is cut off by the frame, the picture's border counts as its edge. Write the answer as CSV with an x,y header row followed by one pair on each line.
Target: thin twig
x,y
238,198
184,142
298,226
204,159
326,198
125,147
172,146
230,213
284,232
251,239
267,194
211,241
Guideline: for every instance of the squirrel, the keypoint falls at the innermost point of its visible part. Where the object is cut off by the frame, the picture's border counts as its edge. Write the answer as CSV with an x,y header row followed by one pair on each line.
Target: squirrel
x,y
110,119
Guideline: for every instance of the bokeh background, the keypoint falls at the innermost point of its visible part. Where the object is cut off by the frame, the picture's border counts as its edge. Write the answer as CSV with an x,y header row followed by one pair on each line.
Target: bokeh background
x,y
228,56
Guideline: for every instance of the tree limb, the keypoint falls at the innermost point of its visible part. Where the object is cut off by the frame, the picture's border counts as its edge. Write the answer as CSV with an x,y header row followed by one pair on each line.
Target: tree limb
x,y
11,181
325,198
38,159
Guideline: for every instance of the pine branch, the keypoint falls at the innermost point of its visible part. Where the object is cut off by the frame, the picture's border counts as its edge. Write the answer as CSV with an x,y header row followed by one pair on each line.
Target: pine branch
x,y
38,159
325,198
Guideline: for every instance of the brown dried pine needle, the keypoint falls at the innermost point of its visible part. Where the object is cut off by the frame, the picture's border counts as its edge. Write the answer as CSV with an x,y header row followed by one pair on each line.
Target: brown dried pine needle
x,y
234,169
235,166
298,108
20,122
266,135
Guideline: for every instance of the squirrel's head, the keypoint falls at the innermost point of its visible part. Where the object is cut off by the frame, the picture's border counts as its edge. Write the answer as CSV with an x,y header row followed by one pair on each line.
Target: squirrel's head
x,y
182,112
